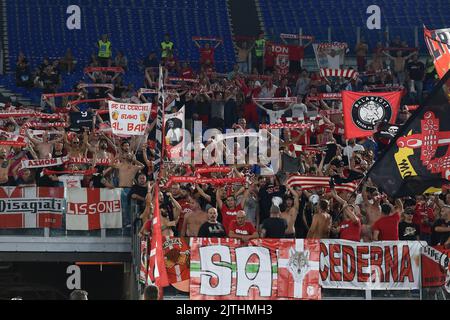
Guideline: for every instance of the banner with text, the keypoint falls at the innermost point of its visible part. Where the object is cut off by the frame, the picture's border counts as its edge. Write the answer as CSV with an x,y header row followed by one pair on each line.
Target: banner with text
x,y
92,209
174,135
393,265
263,269
128,118
31,207
436,267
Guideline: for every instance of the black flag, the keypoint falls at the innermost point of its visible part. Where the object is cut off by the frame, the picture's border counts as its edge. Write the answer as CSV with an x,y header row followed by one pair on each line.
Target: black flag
x,y
417,161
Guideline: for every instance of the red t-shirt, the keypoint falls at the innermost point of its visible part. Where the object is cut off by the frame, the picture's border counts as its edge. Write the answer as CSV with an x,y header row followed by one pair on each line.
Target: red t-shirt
x,y
350,230
296,53
245,230
206,54
388,227
228,215
420,213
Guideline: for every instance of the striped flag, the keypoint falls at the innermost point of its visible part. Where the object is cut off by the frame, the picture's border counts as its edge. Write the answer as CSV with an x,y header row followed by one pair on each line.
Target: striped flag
x,y
159,126
298,269
312,182
157,268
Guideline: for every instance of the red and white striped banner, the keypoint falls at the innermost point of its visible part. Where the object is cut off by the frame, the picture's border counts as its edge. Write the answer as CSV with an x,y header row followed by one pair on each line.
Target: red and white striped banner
x,y
343,73
31,207
276,100
92,209
96,85
312,182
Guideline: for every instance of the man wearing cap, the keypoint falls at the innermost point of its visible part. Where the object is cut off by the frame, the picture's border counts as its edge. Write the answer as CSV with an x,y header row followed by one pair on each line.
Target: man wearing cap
x,y
275,226
241,228
321,222
407,230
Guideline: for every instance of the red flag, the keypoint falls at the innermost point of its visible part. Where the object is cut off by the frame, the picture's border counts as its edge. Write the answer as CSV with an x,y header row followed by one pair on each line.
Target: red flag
x,y
438,43
364,110
157,269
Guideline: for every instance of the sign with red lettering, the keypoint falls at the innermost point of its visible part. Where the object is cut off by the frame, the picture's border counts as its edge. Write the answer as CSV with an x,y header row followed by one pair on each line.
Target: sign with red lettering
x,y
128,118
383,265
91,209
262,269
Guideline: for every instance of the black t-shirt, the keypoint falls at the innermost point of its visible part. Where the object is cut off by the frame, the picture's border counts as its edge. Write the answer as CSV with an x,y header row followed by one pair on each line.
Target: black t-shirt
x,y
416,70
408,231
275,227
440,237
212,230
140,191
265,196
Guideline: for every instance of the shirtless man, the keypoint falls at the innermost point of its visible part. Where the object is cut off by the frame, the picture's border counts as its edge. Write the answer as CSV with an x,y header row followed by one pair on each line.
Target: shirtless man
x,y
127,166
290,214
77,148
399,65
321,223
193,220
4,168
372,208
101,150
44,148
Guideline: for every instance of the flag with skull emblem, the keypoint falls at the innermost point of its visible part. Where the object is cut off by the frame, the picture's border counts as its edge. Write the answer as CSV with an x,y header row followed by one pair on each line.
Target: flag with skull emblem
x,y
363,111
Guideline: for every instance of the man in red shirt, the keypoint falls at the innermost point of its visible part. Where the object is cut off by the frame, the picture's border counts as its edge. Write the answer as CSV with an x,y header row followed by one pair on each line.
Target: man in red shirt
x,y
424,217
350,227
386,227
229,210
207,52
242,229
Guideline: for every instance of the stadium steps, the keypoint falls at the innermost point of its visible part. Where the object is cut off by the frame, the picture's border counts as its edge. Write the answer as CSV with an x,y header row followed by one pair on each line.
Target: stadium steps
x,y
11,95
4,37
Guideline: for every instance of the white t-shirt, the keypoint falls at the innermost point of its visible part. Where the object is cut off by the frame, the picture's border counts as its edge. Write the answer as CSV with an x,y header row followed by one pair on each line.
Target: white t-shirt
x,y
299,110
70,181
348,150
334,62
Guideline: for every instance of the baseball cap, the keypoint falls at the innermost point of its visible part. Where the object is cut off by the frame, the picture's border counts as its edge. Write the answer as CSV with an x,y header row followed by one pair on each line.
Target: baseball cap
x,y
409,211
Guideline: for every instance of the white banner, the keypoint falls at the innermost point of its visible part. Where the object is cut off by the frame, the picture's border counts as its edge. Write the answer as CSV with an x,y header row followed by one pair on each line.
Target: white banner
x,y
91,209
44,163
330,55
128,118
393,265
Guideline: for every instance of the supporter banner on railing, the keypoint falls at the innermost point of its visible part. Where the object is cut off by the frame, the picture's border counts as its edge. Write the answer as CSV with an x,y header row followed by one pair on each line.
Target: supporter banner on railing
x,y
174,131
129,119
436,267
91,209
393,265
177,257
31,207
265,269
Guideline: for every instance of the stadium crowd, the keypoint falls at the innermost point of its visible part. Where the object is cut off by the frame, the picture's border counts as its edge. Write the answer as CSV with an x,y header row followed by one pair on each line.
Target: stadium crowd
x,y
265,205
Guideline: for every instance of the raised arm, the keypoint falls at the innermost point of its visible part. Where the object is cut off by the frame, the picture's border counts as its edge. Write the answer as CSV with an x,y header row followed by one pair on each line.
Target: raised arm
x,y
219,198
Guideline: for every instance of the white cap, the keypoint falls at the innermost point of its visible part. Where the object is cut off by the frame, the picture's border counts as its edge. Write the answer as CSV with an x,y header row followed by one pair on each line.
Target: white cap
x,y
257,83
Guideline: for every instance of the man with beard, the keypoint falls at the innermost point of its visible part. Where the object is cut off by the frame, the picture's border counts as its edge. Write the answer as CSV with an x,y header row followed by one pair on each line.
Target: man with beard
x,y
193,220
127,166
212,228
